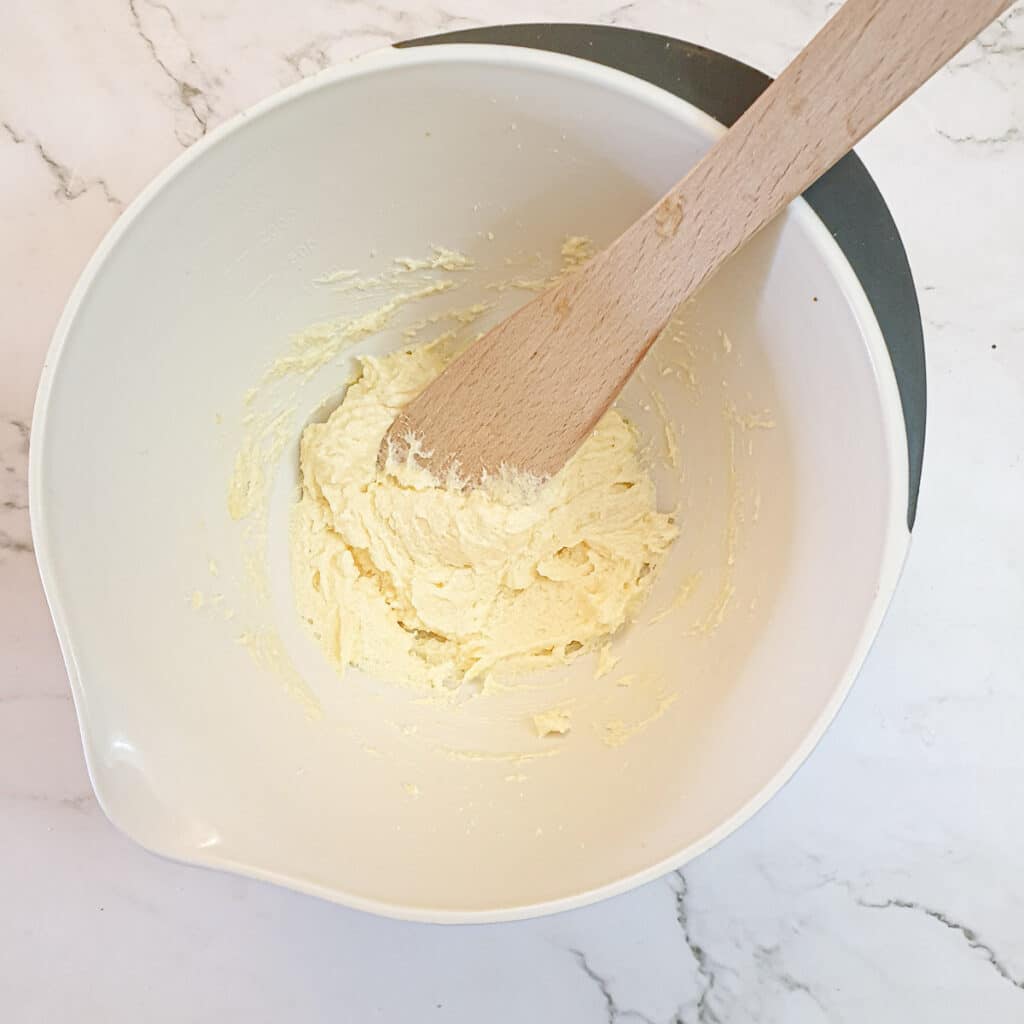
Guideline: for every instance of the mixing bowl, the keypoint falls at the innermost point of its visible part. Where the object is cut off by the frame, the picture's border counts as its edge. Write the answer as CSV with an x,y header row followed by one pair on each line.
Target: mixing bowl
x,y
164,465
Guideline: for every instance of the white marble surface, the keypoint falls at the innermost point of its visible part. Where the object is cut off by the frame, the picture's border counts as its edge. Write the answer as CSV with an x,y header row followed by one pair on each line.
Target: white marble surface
x,y
883,883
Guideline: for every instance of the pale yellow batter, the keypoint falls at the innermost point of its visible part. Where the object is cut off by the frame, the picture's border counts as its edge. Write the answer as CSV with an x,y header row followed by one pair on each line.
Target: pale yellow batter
x,y
431,586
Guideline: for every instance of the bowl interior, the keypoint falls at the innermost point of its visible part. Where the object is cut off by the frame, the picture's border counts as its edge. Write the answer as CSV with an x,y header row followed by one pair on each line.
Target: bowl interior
x,y
214,729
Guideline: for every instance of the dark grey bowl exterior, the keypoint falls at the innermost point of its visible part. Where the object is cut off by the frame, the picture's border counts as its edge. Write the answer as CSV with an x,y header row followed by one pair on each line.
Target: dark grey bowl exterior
x,y
846,199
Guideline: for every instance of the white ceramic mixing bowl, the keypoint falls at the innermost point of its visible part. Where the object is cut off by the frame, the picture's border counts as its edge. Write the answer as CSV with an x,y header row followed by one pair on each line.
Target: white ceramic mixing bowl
x,y
216,733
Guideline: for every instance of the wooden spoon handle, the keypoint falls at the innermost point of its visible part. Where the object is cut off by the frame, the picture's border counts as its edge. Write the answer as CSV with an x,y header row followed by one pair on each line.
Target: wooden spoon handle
x,y
529,392
866,61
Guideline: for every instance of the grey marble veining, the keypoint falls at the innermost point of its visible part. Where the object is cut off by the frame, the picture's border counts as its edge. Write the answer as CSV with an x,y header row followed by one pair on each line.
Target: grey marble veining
x,y
14,528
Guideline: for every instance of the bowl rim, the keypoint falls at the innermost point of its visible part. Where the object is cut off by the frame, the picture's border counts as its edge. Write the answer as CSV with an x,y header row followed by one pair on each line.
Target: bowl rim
x,y
897,533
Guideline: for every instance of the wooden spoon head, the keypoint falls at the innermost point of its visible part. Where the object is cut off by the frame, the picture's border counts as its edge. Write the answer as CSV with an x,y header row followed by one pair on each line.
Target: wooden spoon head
x,y
526,395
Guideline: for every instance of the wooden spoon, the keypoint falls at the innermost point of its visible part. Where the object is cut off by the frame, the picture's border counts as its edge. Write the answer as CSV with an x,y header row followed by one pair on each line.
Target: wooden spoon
x,y
529,392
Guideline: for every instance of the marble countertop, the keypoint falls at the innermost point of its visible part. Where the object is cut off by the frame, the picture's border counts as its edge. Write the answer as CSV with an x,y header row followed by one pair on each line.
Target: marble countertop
x,y
882,884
